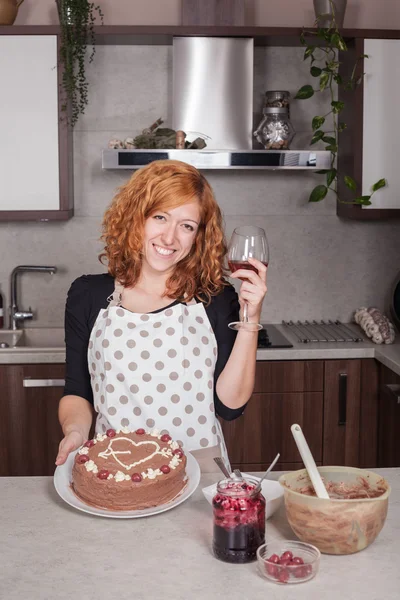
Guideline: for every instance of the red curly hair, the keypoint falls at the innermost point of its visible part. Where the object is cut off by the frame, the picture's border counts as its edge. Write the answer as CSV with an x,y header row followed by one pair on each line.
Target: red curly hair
x,y
161,185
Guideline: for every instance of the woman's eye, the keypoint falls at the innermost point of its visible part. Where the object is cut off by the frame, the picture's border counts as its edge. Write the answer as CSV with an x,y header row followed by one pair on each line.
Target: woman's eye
x,y
188,227
158,217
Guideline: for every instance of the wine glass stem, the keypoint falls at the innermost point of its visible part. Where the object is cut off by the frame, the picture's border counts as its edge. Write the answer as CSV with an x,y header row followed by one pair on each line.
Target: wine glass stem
x,y
245,313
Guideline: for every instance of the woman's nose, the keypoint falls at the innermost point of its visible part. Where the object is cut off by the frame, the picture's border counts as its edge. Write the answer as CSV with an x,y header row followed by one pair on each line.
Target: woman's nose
x,y
168,235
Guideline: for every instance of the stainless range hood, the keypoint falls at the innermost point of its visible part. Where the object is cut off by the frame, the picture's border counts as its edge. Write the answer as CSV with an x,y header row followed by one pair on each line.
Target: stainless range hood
x,y
213,90
213,99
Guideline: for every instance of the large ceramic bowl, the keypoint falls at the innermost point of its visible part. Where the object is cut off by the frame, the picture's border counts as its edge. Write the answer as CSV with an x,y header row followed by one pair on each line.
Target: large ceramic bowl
x,y
335,526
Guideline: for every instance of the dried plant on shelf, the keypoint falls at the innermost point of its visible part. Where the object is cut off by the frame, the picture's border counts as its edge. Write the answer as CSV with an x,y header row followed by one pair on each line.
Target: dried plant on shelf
x,y
160,138
323,53
77,20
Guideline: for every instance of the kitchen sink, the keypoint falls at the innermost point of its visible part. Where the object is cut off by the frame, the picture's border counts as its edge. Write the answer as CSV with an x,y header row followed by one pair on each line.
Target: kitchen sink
x,y
30,338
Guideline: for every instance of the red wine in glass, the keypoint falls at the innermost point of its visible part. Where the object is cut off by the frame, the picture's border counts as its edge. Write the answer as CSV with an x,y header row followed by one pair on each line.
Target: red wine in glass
x,y
234,265
247,242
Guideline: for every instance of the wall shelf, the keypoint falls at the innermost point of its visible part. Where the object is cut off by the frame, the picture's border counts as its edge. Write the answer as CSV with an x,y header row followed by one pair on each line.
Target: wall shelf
x,y
221,159
164,34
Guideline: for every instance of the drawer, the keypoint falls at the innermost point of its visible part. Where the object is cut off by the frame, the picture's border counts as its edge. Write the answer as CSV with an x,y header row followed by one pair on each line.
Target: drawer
x,y
289,376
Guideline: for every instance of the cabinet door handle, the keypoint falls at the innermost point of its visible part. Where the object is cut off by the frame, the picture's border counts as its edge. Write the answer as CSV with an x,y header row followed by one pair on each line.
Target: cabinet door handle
x,y
342,398
43,382
394,390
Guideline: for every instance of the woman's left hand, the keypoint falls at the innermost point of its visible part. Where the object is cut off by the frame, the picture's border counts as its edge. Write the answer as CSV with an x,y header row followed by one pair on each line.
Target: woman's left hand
x,y
253,288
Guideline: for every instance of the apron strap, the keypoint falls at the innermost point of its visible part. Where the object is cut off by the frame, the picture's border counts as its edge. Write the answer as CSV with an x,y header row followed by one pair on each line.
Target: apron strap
x,y
115,298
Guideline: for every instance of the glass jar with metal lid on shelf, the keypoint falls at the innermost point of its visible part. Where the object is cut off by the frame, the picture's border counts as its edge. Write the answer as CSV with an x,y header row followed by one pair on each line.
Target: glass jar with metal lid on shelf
x,y
275,131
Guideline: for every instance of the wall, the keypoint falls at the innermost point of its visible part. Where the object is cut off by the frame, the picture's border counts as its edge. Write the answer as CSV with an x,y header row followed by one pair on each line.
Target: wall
x,y
363,14
321,267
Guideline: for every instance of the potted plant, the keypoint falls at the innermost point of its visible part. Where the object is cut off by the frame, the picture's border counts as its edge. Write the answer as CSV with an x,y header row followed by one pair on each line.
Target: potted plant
x,y
322,50
77,20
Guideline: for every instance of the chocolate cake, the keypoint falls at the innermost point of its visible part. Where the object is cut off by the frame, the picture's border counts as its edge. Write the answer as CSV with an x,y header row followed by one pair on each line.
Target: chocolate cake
x,y
129,470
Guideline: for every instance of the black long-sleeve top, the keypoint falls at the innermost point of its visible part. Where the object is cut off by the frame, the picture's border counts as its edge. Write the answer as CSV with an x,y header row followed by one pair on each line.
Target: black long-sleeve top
x,y
89,294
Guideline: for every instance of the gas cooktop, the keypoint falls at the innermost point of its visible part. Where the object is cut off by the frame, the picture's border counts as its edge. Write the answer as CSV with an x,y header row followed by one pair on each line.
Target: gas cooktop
x,y
271,337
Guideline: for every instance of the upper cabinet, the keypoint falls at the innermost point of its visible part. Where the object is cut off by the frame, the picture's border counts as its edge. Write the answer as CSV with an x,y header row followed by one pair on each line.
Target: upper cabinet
x,y
34,143
381,125
369,148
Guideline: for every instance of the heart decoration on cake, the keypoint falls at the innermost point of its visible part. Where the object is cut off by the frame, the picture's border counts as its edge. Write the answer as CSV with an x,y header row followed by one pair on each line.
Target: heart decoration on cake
x,y
110,451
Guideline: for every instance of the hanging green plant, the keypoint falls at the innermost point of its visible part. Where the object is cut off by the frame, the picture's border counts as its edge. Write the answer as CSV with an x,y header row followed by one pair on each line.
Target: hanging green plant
x,y
323,52
77,21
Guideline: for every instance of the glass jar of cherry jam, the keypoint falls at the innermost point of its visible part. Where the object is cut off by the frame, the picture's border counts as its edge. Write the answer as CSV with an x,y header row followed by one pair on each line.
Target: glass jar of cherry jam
x,y
239,520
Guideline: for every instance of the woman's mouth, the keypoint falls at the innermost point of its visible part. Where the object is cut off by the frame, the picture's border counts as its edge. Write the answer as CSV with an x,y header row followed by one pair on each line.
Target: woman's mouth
x,y
165,252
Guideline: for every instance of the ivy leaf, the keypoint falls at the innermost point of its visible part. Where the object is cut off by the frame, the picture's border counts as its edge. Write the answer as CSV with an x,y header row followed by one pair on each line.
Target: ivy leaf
x,y
317,122
333,65
338,42
329,140
378,185
337,106
323,81
318,193
302,39
364,56
331,148
325,34
318,135
330,176
338,78
315,71
351,184
304,93
342,127
365,200
308,51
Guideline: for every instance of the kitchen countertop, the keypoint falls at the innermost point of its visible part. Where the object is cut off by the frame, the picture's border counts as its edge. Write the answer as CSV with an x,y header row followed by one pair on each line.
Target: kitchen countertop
x,y
50,551
387,354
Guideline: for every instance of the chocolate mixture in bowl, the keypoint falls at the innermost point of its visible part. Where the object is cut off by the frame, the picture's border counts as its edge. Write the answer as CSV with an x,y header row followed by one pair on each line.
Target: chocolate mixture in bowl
x,y
346,491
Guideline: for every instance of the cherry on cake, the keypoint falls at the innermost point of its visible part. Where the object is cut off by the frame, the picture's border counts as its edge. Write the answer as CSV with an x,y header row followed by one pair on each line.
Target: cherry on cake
x,y
129,470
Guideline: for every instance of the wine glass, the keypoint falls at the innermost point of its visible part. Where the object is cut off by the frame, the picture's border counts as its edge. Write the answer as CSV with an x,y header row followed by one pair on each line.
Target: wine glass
x,y
247,242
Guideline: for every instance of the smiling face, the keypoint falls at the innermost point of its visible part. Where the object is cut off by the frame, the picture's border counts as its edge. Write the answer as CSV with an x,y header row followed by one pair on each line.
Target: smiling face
x,y
169,236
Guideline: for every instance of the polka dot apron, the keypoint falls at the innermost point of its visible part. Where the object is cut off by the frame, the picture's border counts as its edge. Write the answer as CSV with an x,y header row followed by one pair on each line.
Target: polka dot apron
x,y
155,370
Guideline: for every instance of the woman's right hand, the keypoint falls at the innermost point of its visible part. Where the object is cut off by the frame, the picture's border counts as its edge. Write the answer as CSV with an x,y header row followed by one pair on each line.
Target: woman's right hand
x,y
72,441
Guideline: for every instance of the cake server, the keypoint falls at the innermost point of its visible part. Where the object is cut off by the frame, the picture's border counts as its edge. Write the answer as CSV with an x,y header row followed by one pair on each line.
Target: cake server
x,y
309,461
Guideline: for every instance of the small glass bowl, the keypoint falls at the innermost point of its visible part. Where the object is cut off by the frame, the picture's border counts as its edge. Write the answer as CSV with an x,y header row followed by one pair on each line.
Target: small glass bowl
x,y
297,573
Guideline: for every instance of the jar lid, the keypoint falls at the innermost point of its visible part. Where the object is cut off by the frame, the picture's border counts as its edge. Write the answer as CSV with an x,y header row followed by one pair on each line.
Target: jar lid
x,y
272,110
277,93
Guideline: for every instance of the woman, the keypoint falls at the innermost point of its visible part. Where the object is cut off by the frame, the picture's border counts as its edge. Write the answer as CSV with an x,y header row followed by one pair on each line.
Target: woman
x,y
148,344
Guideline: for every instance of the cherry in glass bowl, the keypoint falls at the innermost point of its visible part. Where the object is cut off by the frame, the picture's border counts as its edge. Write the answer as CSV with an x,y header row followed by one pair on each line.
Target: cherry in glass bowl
x,y
286,562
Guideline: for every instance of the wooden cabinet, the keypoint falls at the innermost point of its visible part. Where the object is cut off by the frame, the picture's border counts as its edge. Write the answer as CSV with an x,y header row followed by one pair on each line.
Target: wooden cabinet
x,y
335,403
342,412
285,393
35,145
29,429
389,419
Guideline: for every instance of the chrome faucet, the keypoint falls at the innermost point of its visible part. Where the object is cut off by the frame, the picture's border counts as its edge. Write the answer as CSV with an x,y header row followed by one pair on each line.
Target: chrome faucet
x,y
17,315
